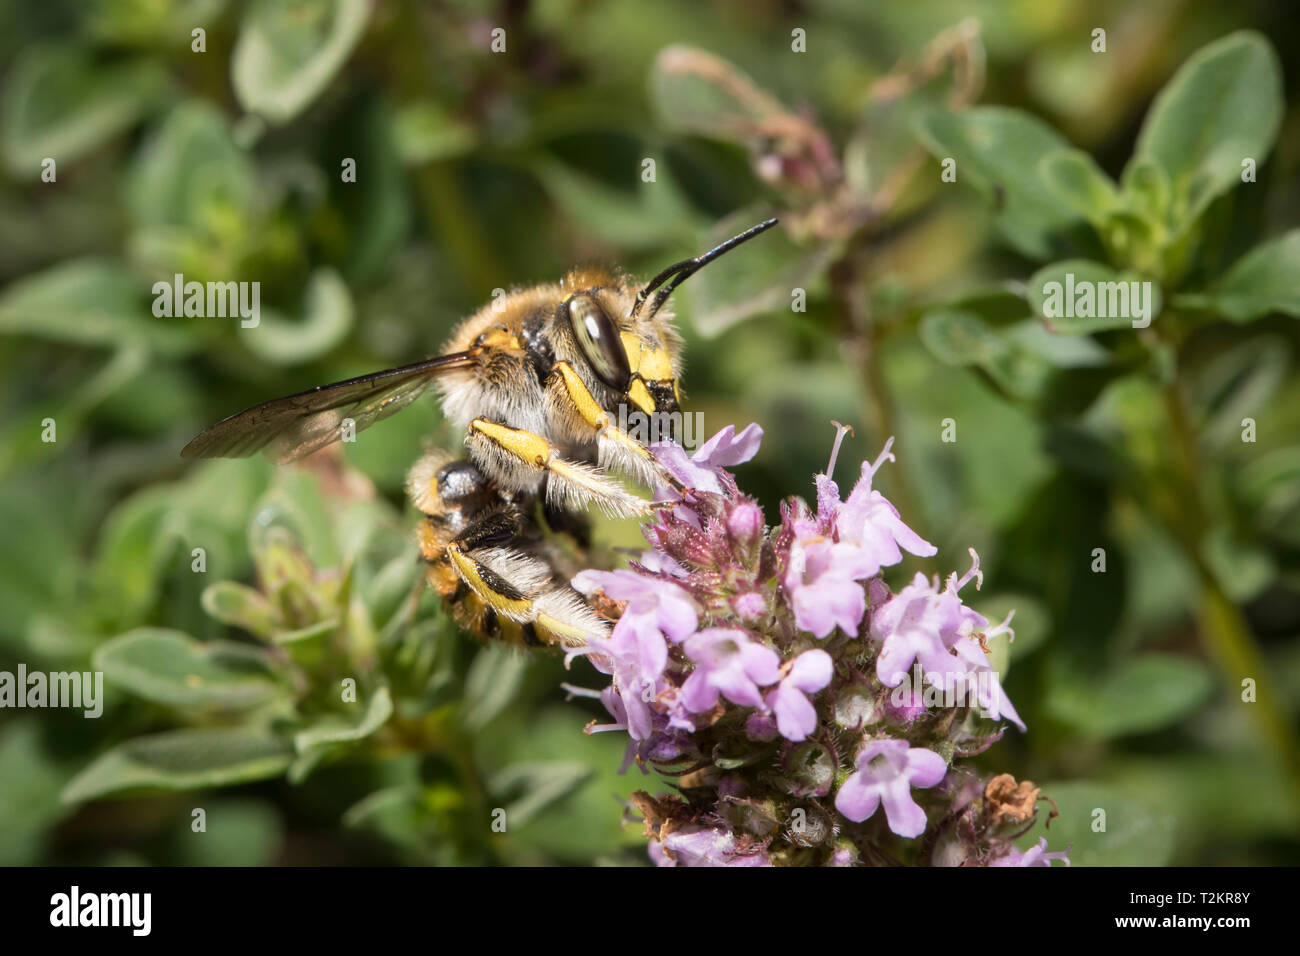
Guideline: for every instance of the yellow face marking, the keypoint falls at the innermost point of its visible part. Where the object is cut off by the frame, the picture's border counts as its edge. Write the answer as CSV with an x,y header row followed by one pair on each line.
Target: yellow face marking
x,y
640,396
468,569
578,394
632,348
652,363
656,365
524,445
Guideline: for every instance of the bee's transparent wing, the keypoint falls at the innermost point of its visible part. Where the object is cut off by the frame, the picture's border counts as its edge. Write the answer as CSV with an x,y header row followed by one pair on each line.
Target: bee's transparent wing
x,y
292,427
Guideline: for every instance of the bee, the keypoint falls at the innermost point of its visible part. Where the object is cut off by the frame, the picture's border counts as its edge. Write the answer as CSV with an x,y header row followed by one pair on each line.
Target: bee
x,y
537,380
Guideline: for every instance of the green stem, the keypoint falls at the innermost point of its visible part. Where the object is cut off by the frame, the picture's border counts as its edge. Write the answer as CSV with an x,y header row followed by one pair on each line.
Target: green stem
x,y
1223,629
848,281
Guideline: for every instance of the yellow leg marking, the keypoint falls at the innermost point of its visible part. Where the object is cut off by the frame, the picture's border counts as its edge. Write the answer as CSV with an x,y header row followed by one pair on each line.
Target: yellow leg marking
x,y
472,572
569,636
598,419
586,405
524,445
536,451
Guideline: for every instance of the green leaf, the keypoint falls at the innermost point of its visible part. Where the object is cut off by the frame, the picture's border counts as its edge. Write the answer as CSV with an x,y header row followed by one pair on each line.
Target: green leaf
x,y
999,152
492,683
182,760
1144,693
1270,488
1068,296
240,606
235,833
761,280
539,785
1222,106
962,338
59,104
959,338
639,218
29,798
88,302
1079,183
1146,189
287,54
174,669
424,132
1237,383
1264,280
337,729
190,170
1136,833
327,320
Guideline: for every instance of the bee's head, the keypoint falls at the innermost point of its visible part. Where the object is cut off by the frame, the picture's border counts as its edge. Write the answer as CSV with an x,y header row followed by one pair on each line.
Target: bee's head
x,y
628,343
637,359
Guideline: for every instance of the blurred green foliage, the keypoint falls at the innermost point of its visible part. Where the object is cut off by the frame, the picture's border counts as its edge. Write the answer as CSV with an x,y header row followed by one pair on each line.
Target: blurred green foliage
x,y
479,170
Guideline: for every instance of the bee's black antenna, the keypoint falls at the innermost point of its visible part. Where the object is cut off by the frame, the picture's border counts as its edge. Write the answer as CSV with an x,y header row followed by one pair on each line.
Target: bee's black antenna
x,y
679,272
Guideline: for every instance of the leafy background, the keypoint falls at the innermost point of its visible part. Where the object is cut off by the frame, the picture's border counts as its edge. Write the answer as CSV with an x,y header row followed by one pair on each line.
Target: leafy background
x,y
481,170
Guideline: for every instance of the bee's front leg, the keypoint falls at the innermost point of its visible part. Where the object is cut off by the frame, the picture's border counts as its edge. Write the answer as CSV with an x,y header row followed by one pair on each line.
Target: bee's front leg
x,y
523,455
613,443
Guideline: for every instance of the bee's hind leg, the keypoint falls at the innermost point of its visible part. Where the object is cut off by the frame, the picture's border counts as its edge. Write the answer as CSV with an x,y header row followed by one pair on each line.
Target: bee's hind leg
x,y
518,588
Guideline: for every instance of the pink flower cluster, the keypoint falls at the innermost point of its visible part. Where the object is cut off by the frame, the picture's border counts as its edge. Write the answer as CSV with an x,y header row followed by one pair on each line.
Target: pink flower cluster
x,y
763,667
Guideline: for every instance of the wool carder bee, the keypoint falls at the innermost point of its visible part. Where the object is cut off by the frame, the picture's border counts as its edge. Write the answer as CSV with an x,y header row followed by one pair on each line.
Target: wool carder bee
x,y
537,379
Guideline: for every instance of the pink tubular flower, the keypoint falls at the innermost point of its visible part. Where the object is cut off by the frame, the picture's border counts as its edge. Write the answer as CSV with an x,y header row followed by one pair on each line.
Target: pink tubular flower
x,y
703,847
822,579
848,542
913,626
636,653
659,604
887,770
727,662
1036,855
868,520
808,673
701,471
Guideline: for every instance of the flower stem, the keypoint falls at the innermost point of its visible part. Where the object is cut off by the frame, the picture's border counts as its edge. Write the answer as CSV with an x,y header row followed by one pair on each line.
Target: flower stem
x,y
1223,628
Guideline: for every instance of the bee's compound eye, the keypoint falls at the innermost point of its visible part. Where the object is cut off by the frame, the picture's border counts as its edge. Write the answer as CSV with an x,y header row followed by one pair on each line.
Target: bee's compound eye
x,y
600,342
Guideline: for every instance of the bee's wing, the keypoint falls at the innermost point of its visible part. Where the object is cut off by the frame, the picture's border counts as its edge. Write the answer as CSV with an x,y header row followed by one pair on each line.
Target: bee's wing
x,y
292,427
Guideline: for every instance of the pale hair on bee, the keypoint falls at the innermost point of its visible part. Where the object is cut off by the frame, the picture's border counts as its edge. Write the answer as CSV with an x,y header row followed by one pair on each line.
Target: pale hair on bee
x,y
537,379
